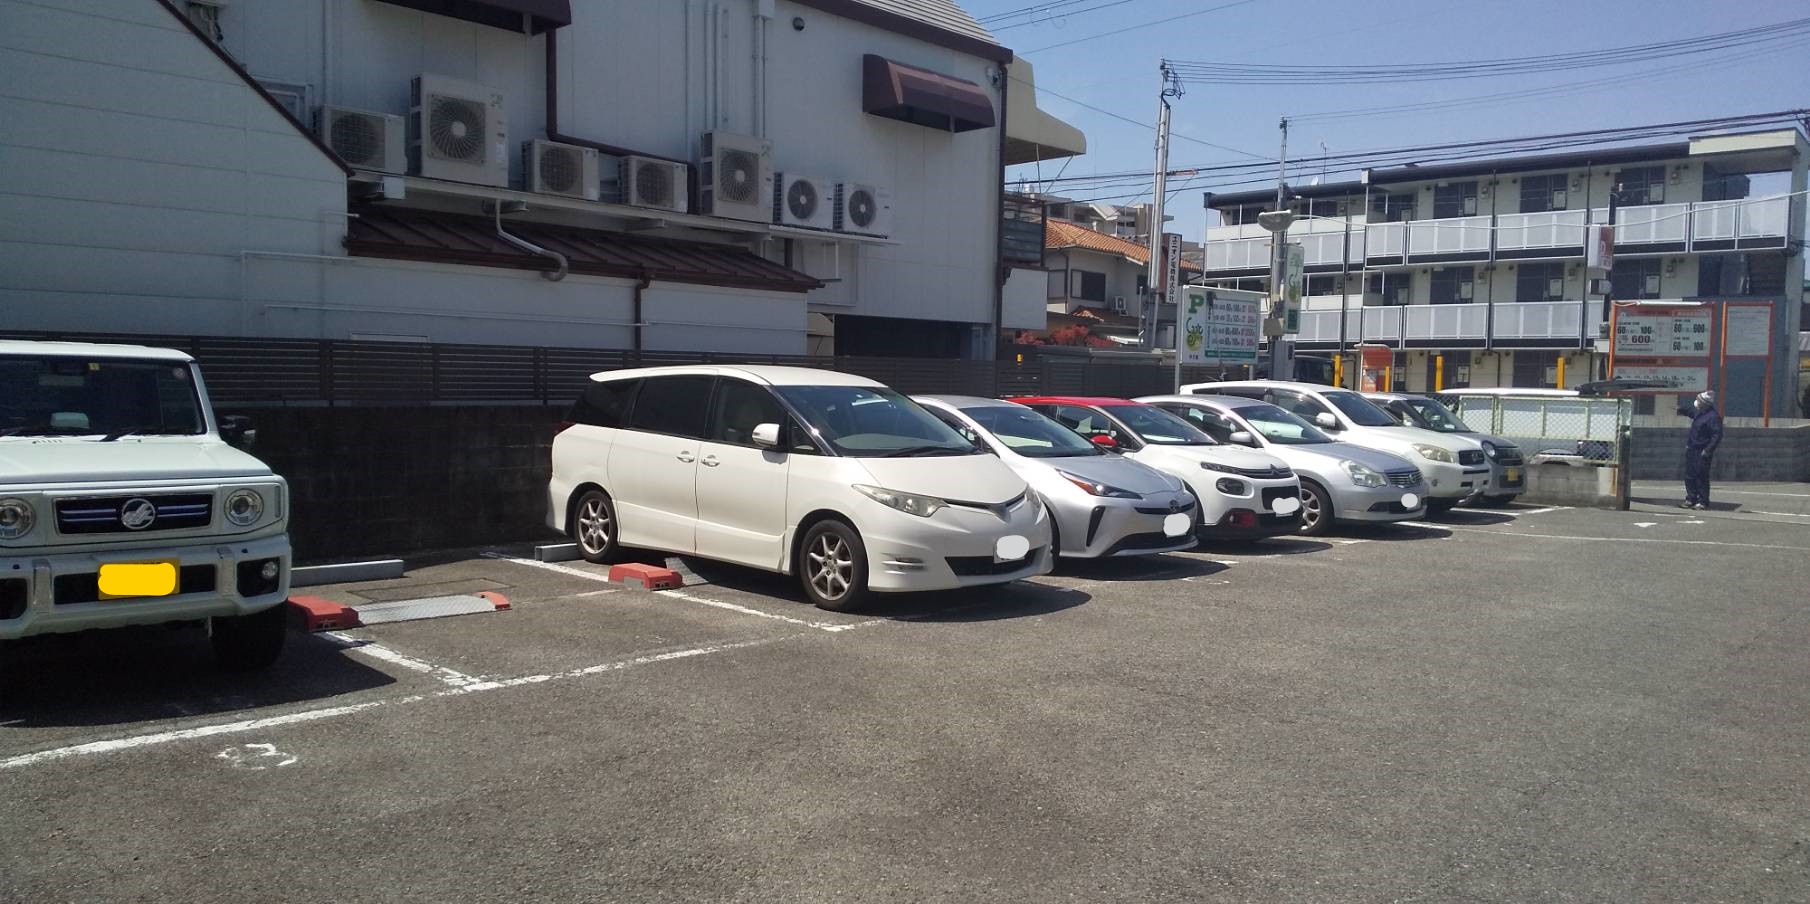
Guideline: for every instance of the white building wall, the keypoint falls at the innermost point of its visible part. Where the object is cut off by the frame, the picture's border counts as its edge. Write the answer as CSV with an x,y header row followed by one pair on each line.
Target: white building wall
x,y
135,168
1025,304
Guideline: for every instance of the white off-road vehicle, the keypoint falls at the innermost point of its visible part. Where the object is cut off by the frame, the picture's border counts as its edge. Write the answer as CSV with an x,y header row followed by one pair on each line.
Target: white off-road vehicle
x,y
123,502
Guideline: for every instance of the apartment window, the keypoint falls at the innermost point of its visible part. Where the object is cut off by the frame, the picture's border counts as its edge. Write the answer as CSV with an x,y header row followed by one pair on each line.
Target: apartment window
x,y
1331,208
1090,286
1457,369
1329,284
1453,285
1640,185
1634,278
1391,208
1240,216
1718,186
1540,281
1392,288
1454,199
1534,370
1543,193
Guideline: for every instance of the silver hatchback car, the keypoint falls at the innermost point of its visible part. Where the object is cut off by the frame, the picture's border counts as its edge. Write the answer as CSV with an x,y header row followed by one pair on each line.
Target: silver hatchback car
x,y
1340,482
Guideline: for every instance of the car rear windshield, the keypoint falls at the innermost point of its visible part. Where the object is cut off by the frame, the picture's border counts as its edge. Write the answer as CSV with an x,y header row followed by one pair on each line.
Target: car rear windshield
x,y
1281,427
1362,411
1030,434
56,395
873,422
1435,416
1158,427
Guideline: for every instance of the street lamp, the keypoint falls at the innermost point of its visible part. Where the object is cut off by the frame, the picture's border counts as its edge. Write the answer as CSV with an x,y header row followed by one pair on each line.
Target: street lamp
x,y
1276,223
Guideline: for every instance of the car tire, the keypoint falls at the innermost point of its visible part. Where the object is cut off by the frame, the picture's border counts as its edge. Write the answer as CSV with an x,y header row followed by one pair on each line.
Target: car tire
x,y
1496,501
1316,510
248,643
832,566
593,527
1441,506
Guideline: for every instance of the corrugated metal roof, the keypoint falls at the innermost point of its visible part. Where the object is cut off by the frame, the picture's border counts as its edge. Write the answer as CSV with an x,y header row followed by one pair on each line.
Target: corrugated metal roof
x,y
403,234
940,22
943,14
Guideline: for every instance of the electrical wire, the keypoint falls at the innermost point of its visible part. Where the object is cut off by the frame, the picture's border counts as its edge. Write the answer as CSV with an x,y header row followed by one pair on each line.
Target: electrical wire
x,y
1120,31
1031,18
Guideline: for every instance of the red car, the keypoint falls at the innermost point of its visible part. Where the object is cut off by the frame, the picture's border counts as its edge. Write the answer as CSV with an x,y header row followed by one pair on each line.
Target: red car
x,y
1243,493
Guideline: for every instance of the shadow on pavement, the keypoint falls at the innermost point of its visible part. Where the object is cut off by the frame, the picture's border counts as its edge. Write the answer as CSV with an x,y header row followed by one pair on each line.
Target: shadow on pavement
x,y
1274,546
1014,600
146,674
1134,569
1472,517
1393,532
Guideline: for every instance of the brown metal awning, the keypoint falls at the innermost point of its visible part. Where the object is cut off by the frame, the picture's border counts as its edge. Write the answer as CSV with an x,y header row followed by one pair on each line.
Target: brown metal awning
x,y
909,94
529,16
416,235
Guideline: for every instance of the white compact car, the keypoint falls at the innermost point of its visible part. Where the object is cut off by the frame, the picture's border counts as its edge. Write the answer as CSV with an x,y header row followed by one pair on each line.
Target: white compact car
x,y
1455,466
831,477
1242,494
122,502
1100,504
1340,482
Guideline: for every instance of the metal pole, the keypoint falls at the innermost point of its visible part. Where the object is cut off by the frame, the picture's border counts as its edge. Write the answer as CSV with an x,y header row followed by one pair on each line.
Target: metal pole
x,y
1278,261
1148,310
1345,280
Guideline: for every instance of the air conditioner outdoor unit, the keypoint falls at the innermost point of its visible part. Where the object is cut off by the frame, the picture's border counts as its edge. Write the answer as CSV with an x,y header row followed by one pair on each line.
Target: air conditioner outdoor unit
x,y
735,177
1119,306
551,168
457,131
863,209
804,201
364,140
659,184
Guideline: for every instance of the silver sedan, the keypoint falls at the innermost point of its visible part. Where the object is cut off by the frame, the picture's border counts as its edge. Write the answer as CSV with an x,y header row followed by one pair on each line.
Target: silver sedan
x,y
1101,504
1339,481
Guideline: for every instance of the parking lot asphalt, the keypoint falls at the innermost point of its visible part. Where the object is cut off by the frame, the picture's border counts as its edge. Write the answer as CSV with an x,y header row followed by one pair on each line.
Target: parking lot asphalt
x,y
1517,705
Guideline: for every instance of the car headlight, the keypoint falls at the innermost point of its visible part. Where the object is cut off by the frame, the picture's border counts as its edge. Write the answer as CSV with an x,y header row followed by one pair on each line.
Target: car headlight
x,y
1489,449
244,508
1095,488
1364,475
1216,466
1433,453
16,518
909,503
1232,487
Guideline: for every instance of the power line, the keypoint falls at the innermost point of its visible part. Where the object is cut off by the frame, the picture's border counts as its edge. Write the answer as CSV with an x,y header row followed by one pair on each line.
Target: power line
x,y
1120,31
1142,125
1052,11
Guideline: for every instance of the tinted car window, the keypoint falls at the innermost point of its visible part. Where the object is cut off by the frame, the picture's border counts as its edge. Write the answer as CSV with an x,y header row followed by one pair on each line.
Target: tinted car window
x,y
1209,421
1030,433
1362,411
671,405
740,407
603,404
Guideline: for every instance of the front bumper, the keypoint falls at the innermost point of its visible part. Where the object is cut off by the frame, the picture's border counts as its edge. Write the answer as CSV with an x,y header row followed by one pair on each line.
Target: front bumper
x,y
1252,515
1505,480
209,586
1104,528
955,547
1452,481
1356,503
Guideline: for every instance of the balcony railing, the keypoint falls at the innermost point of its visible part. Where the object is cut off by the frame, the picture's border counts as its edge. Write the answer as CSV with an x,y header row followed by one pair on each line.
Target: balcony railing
x,y
1433,322
1747,223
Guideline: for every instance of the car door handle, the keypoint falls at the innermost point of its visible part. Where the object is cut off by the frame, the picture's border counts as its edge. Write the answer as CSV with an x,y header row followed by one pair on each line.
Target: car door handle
x,y
710,461
686,457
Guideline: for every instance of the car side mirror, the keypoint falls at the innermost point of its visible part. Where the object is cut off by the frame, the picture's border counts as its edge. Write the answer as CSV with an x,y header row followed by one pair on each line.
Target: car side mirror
x,y
237,430
1104,441
1243,438
1326,420
766,436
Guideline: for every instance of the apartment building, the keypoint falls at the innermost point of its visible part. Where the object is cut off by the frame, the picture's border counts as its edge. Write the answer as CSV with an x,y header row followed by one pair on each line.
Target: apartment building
x,y
1482,263
758,176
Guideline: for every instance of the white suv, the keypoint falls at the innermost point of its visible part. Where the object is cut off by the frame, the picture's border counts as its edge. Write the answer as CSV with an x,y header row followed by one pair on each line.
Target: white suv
x,y
834,478
120,503
1455,467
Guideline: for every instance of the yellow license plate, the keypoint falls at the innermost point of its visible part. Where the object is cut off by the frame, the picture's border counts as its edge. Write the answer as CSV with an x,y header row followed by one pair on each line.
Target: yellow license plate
x,y
120,580
1513,474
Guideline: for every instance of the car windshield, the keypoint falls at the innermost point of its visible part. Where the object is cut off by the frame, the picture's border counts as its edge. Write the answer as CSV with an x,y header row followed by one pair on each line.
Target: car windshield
x,y
1281,427
1435,416
1360,410
1030,434
1158,427
873,422
57,395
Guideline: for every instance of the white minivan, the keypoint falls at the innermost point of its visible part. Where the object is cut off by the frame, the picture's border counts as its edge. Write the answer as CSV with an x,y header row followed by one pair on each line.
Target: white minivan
x,y
831,477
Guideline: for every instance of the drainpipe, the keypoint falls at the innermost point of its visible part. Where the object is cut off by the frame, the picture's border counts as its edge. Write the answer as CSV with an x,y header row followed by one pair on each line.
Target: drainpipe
x,y
553,132
1001,271
646,279
554,275
763,14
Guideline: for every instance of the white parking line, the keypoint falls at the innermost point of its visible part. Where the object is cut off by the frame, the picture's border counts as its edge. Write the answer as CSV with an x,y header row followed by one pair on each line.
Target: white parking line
x,y
115,745
1539,511
1514,533
551,566
385,654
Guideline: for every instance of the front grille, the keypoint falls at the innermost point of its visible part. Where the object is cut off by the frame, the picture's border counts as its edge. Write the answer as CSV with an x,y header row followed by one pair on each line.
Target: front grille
x,y
1264,473
110,514
998,508
1187,505
85,588
1470,457
1271,494
1508,455
12,598
1153,540
1393,508
1408,478
975,566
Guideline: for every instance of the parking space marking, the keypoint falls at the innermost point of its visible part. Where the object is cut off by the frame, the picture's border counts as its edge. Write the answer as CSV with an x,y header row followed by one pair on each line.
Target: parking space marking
x,y
1516,513
385,654
1516,533
553,567
116,745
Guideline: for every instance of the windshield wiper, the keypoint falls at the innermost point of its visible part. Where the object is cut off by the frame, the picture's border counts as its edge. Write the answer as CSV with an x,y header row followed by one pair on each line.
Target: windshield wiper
x,y
45,430
156,430
914,451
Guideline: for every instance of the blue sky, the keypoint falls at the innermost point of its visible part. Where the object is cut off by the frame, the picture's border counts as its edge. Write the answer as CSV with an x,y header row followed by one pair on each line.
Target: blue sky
x,y
1119,73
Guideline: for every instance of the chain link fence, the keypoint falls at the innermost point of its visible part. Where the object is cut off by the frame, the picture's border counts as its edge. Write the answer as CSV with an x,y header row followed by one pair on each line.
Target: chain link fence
x,y
1589,428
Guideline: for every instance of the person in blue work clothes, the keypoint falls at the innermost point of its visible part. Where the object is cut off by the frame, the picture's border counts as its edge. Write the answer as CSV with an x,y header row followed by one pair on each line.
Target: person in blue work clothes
x,y
1700,450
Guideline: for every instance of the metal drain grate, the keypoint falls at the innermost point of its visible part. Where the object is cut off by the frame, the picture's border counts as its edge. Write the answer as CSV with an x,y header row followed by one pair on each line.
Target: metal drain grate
x,y
431,607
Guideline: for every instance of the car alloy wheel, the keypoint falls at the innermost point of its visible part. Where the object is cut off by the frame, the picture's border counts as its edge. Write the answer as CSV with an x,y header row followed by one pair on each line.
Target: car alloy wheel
x,y
594,526
830,567
1316,510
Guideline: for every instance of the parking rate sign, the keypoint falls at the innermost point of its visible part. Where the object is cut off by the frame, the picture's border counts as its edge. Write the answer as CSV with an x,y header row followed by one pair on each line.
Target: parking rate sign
x,y
1219,331
1667,335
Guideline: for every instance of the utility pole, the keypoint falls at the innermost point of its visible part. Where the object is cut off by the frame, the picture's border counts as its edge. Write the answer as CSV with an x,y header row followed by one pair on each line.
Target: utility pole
x,y
1169,86
1277,222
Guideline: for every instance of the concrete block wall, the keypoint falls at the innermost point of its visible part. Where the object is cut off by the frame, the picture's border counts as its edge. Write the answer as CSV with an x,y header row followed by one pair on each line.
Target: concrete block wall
x,y
394,480
1747,453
